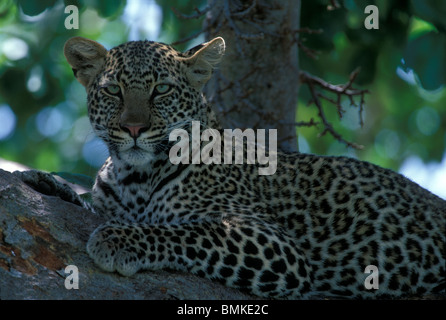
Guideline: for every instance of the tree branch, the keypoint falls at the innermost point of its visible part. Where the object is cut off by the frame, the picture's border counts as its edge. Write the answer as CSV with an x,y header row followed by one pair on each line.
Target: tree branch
x,y
197,15
340,91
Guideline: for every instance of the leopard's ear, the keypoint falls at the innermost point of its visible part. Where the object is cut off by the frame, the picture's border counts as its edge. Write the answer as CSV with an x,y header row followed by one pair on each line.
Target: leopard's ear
x,y
86,57
199,66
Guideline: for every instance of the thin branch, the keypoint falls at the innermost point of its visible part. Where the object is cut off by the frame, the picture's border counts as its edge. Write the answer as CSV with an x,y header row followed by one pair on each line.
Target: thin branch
x,y
226,17
210,22
234,27
309,52
245,12
336,103
339,90
308,30
310,123
231,83
305,77
328,127
263,30
197,15
286,138
186,39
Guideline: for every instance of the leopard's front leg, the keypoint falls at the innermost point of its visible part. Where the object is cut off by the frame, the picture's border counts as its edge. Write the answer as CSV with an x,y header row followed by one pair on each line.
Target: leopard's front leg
x,y
250,255
45,183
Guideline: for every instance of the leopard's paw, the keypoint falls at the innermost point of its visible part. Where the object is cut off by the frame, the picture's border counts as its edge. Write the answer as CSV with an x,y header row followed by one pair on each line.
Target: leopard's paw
x,y
40,181
45,183
112,250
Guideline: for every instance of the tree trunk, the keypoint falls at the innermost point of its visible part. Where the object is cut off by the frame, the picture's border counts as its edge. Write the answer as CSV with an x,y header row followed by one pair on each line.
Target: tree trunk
x,y
256,85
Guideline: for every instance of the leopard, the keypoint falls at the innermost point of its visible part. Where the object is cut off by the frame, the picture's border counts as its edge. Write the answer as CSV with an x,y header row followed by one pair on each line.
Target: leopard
x,y
330,226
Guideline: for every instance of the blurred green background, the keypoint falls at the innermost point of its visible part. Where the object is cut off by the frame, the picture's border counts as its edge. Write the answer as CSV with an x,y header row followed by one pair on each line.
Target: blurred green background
x,y
43,120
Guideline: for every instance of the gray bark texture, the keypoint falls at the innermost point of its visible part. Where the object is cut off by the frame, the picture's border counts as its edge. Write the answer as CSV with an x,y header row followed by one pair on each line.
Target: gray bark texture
x,y
40,235
256,84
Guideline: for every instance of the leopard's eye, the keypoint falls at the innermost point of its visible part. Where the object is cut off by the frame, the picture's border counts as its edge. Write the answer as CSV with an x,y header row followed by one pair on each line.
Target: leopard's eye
x,y
113,89
162,88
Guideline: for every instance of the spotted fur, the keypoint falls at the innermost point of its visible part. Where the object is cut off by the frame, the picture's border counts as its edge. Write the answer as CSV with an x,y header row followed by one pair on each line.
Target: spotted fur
x,y
310,228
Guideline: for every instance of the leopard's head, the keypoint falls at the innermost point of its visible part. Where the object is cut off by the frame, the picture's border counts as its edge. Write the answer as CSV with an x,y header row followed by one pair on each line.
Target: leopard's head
x,y
140,91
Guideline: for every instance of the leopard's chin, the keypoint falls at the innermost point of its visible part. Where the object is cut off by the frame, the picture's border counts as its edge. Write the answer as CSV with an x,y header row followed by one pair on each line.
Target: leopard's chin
x,y
137,156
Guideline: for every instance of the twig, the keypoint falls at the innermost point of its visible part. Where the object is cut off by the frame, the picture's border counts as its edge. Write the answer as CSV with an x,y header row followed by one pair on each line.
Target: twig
x,y
234,27
339,90
243,13
263,30
305,77
310,123
328,127
309,52
308,30
337,103
286,138
186,39
197,15
228,19
231,83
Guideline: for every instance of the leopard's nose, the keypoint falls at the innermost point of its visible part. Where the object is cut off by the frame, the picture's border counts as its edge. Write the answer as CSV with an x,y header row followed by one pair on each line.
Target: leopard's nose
x,y
134,130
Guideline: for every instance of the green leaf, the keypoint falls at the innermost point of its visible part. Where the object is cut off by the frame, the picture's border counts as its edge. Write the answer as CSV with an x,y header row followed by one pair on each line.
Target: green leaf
x,y
426,55
432,11
76,178
109,9
8,12
33,8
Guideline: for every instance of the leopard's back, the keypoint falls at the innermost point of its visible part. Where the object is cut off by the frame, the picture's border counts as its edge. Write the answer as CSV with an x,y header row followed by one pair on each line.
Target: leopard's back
x,y
348,214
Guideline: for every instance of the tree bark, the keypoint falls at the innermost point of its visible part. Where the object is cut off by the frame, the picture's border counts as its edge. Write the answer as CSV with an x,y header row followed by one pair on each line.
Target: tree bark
x,y
41,235
256,85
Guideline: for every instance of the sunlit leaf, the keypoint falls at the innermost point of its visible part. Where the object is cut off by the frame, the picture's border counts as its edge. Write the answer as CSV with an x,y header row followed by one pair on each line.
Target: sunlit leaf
x,y
426,55
7,12
33,8
433,11
110,8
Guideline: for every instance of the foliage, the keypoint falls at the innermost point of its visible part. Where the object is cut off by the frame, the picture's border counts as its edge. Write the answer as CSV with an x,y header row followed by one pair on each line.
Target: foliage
x,y
403,65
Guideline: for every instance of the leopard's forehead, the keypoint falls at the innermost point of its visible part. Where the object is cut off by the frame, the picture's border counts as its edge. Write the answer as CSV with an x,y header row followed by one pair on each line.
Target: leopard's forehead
x,y
147,61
